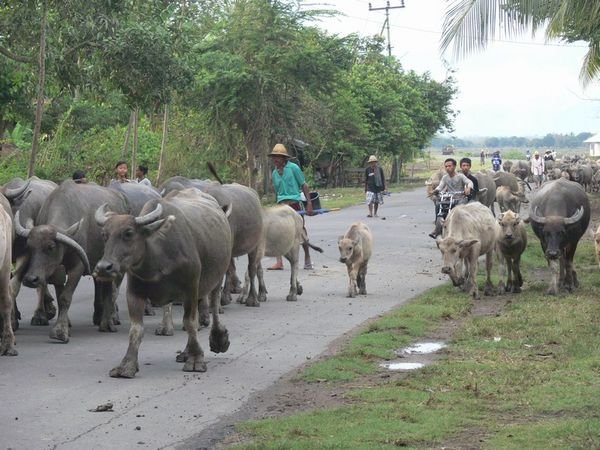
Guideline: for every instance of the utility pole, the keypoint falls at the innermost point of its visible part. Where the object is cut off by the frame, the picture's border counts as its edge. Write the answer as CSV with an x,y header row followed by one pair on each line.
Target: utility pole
x,y
386,24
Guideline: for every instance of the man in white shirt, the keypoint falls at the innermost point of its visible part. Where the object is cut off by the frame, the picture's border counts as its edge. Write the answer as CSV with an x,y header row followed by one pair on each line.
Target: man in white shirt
x,y
537,169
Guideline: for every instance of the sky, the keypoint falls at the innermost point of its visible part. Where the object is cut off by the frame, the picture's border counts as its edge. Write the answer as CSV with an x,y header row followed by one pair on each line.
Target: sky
x,y
518,87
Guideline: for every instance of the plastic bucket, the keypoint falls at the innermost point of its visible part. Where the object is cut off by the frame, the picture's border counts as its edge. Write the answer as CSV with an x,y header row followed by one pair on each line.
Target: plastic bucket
x,y
314,199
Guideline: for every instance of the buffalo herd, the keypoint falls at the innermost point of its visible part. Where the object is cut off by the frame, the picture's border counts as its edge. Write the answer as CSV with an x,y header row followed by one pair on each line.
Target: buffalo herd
x,y
177,243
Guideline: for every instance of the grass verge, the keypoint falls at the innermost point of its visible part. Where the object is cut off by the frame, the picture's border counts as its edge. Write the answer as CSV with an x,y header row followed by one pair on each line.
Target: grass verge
x,y
528,377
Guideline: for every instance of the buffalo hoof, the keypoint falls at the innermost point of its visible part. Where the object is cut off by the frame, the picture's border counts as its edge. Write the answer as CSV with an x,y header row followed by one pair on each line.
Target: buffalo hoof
x,y
225,298
516,290
107,327
219,340
241,300
39,318
182,356
362,291
49,306
351,294
194,365
8,350
164,331
262,296
127,370
97,318
148,310
299,289
204,320
292,298
252,301
60,334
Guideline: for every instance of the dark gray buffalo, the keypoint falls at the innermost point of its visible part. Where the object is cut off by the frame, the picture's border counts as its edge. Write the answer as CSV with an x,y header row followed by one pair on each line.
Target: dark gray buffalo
x,y
246,222
560,215
179,247
27,198
63,241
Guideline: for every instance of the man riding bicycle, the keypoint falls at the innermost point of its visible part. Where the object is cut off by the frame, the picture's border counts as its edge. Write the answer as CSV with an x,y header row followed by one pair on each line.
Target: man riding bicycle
x,y
454,182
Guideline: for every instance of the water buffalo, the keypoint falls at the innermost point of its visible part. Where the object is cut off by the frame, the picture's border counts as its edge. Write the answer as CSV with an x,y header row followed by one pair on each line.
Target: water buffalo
x,y
521,169
487,190
356,247
246,225
27,198
180,246
7,343
511,242
507,201
559,216
283,233
469,232
63,243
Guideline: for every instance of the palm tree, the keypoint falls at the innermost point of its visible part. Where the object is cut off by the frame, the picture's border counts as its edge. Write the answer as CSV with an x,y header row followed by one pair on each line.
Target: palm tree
x,y
470,24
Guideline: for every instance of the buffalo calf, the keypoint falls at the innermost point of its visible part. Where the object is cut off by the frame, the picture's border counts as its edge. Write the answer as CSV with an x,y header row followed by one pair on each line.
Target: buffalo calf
x,y
356,247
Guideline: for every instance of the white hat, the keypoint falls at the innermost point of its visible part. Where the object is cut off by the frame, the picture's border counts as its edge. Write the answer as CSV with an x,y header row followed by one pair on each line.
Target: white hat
x,y
372,158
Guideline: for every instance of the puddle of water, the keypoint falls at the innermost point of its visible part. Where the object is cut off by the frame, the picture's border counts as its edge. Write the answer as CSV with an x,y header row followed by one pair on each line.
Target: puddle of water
x,y
402,366
422,348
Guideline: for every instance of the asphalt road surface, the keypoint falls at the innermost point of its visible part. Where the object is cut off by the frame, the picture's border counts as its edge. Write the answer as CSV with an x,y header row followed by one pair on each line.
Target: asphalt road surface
x,y
48,391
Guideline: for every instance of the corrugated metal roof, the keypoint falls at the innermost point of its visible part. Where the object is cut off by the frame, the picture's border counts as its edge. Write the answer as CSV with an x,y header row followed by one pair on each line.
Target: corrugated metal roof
x,y
594,138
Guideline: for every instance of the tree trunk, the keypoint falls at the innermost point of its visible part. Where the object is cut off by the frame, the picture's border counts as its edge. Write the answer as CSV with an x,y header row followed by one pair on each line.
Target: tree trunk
x,y
136,119
127,135
250,162
39,109
163,144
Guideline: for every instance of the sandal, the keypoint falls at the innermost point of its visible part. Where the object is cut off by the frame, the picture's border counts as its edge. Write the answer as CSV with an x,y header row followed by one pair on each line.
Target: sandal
x,y
275,267
369,215
308,266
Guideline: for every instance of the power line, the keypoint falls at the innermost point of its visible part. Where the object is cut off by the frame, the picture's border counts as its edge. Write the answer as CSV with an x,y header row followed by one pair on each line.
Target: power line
x,y
386,24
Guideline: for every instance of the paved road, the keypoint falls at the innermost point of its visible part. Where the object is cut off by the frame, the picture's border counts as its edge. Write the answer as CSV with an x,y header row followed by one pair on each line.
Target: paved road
x,y
48,390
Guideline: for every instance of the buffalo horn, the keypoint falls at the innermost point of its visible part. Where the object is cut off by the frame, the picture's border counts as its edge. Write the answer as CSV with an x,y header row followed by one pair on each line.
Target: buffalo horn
x,y
23,232
534,217
575,217
152,216
101,215
16,192
63,238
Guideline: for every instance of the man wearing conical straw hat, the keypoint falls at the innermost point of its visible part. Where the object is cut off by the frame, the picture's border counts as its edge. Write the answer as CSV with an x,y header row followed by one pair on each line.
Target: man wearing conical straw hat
x,y
289,181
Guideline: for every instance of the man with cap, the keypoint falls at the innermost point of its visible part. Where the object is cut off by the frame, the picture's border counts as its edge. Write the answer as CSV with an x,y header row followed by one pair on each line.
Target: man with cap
x,y
374,186
537,169
288,181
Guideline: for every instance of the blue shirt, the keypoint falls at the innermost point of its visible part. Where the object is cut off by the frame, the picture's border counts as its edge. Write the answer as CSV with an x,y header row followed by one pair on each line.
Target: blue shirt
x,y
288,185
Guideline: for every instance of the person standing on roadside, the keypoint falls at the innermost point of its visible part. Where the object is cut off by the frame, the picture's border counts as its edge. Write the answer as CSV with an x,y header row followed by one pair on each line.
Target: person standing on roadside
x,y
537,169
374,186
288,181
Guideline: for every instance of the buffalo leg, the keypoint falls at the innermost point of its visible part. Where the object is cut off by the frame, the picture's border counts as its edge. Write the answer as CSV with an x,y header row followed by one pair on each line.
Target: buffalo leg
x,y
489,287
228,285
7,346
166,326
292,256
362,279
253,261
352,274
194,361
60,331
129,365
236,284
108,308
219,336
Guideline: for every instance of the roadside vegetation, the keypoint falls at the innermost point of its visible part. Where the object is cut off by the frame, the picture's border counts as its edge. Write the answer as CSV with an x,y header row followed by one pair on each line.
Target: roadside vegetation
x,y
523,372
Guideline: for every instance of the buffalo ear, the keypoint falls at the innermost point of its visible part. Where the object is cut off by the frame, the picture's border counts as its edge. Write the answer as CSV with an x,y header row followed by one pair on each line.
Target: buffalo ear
x,y
340,238
464,244
500,217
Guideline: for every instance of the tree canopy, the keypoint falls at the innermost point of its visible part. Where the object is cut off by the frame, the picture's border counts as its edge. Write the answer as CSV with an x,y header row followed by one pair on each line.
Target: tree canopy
x,y
237,76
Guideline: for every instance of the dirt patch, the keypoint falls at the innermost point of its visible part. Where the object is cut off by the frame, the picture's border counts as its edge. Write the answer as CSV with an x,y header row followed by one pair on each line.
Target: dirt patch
x,y
291,396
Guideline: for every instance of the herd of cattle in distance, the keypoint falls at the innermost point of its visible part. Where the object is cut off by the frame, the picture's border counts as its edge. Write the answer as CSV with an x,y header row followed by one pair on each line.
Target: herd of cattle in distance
x,y
559,214
177,243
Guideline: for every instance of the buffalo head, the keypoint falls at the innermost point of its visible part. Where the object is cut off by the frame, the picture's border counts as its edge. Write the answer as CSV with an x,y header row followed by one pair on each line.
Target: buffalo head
x,y
47,247
125,240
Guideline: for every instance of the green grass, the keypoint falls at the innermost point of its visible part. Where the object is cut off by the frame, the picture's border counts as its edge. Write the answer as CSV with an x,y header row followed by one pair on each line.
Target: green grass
x,y
528,378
